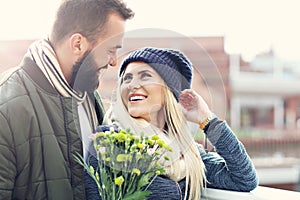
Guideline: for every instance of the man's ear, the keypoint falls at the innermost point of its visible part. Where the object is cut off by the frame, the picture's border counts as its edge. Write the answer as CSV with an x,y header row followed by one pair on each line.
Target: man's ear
x,y
78,44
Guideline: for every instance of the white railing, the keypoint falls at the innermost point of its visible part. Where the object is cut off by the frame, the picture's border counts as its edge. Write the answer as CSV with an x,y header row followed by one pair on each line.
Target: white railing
x,y
260,193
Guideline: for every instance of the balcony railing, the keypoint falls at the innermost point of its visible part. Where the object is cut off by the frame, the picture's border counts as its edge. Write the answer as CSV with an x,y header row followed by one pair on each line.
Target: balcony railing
x,y
276,81
260,193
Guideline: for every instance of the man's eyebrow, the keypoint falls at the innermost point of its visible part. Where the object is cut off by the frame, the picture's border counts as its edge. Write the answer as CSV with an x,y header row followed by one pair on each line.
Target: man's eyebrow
x,y
118,46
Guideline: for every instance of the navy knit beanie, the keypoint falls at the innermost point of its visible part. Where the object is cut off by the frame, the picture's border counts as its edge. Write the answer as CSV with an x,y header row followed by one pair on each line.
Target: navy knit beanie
x,y
174,68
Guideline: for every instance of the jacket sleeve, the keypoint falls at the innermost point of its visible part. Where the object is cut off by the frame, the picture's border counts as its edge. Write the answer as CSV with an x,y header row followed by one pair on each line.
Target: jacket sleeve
x,y
230,167
7,160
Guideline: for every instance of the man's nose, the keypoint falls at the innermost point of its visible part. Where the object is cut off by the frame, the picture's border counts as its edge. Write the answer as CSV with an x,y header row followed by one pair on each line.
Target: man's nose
x,y
113,60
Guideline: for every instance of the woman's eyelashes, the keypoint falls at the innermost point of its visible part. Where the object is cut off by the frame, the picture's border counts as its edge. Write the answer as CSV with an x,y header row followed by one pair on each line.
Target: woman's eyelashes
x,y
145,75
142,76
127,78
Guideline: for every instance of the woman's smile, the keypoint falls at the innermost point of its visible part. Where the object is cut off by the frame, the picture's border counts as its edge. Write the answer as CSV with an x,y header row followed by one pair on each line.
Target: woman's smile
x,y
136,97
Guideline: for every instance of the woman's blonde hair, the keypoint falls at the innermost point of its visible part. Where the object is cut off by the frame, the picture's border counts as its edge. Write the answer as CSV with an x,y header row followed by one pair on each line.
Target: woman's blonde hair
x,y
178,133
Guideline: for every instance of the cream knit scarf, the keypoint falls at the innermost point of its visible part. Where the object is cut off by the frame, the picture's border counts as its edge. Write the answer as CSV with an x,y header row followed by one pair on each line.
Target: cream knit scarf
x,y
44,56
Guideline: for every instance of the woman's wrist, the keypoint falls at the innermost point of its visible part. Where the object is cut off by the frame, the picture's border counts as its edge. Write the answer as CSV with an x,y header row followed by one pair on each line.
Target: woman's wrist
x,y
203,124
205,121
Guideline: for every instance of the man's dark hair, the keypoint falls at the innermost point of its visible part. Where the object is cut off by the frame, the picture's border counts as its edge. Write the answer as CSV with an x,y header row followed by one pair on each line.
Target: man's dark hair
x,y
87,17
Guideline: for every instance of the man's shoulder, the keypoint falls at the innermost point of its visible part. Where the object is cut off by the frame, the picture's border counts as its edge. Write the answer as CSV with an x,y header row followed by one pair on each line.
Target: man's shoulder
x,y
4,76
11,84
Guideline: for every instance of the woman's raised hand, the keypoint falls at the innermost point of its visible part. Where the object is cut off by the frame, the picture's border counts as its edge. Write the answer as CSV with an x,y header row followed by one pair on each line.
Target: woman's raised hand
x,y
194,107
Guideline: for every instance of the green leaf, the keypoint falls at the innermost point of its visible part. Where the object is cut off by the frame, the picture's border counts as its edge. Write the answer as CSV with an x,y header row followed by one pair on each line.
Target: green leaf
x,y
144,180
140,195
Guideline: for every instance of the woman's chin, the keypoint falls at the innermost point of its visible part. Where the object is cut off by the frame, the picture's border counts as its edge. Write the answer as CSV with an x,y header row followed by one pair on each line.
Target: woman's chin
x,y
137,115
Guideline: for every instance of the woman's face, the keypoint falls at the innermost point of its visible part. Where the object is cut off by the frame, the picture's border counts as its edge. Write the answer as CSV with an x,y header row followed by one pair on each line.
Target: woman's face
x,y
142,91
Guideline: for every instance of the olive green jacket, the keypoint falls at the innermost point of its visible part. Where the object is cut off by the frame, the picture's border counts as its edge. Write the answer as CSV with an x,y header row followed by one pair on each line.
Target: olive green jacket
x,y
39,134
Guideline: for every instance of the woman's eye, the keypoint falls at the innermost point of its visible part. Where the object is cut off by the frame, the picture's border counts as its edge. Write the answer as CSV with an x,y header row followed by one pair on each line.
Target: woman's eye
x,y
145,75
127,78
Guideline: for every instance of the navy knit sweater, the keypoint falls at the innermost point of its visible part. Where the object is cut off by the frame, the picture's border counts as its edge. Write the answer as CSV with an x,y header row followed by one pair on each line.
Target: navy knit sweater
x,y
229,169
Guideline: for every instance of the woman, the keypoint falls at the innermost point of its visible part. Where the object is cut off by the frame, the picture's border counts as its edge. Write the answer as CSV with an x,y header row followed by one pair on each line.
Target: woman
x,y
154,97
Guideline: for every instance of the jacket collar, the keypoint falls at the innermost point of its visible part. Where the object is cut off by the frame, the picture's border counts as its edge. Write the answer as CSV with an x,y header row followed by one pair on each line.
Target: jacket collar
x,y
36,74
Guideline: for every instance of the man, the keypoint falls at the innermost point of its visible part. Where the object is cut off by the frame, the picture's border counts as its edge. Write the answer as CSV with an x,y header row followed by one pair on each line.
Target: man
x,y
48,104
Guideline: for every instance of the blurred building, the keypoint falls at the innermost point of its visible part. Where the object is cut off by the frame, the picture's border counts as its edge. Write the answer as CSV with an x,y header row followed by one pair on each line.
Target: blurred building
x,y
264,93
265,105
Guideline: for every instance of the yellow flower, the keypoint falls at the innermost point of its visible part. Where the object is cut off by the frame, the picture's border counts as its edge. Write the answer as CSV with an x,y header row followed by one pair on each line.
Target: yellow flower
x,y
123,131
119,181
166,157
151,142
140,146
100,134
168,147
131,137
136,171
158,165
157,172
121,137
121,157
155,137
160,143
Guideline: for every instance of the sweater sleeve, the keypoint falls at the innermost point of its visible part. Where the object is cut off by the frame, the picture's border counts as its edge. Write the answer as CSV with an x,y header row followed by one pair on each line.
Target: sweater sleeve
x,y
91,189
230,167
164,188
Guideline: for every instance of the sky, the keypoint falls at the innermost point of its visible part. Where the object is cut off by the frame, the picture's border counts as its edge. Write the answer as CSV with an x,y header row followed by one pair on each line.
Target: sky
x,y
249,27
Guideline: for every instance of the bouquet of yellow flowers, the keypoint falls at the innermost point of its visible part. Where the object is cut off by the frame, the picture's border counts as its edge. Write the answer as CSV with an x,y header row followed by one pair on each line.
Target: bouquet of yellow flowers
x,y
127,164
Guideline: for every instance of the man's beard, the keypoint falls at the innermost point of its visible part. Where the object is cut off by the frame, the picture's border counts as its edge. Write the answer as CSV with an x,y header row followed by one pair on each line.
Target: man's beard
x,y
84,74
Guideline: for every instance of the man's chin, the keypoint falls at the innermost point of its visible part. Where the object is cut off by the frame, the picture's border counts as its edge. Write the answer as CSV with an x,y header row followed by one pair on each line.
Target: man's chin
x,y
88,87
92,89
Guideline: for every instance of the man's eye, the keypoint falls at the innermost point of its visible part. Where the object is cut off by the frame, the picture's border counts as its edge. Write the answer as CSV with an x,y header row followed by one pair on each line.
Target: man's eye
x,y
112,51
